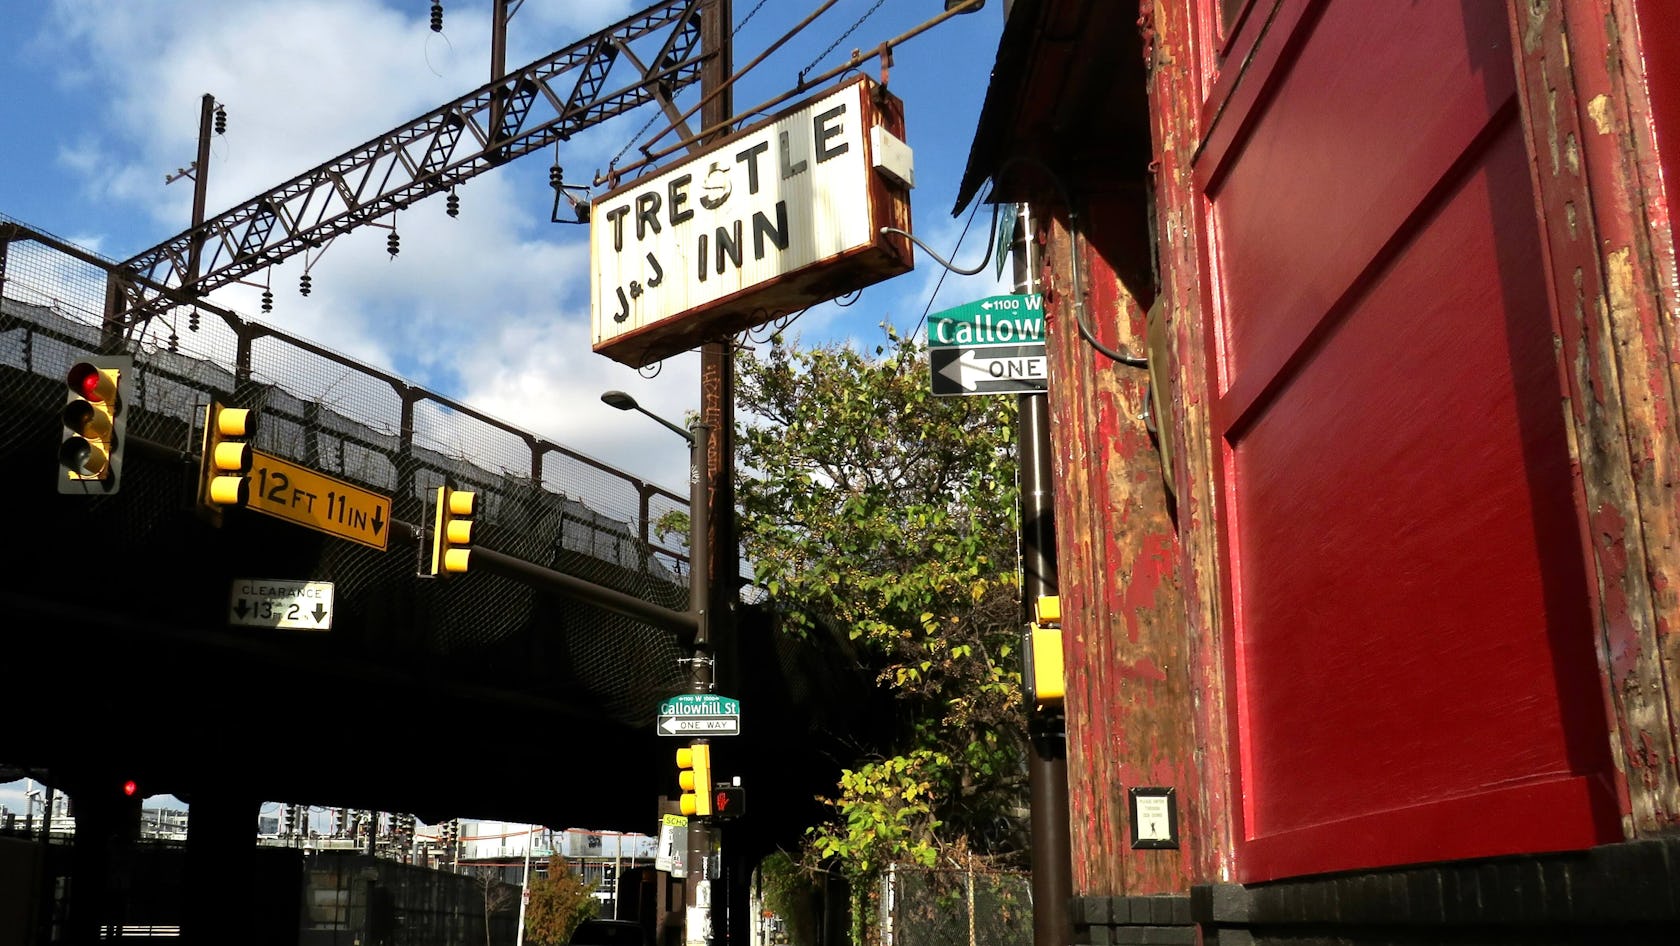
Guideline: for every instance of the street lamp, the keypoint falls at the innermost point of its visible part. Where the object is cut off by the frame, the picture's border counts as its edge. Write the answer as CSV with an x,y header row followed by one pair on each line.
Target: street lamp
x,y
699,528
625,402
700,664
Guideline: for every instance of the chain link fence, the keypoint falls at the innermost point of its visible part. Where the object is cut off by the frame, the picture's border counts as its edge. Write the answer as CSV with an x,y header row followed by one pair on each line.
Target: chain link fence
x,y
538,501
955,907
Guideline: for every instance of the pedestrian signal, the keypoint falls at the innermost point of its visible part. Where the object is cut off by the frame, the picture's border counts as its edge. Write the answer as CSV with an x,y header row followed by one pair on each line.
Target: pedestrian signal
x,y
729,801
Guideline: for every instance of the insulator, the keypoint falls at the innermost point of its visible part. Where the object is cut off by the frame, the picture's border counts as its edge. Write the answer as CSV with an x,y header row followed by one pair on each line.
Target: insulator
x,y
192,321
393,244
437,16
268,301
556,177
303,285
174,342
221,120
452,205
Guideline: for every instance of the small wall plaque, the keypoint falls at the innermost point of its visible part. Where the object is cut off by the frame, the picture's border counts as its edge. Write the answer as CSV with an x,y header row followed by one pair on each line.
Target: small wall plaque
x,y
1154,817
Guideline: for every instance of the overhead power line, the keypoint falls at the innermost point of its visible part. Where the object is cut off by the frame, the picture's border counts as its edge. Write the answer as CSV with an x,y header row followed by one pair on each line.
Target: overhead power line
x,y
547,101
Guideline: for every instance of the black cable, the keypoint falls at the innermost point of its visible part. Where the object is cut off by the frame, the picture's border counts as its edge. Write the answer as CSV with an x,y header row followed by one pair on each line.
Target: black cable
x,y
948,268
1080,316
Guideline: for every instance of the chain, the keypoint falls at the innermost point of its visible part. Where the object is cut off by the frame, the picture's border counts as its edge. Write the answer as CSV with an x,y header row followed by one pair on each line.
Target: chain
x,y
838,40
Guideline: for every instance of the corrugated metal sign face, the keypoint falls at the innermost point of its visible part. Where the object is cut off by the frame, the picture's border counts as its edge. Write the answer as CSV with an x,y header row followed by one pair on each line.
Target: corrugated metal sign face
x,y
742,227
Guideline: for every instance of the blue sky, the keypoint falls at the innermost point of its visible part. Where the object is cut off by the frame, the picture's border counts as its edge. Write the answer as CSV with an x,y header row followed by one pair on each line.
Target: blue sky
x,y
100,99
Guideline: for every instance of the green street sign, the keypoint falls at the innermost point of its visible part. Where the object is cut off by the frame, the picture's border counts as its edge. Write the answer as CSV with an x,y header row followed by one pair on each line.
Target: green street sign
x,y
992,346
995,320
700,704
699,714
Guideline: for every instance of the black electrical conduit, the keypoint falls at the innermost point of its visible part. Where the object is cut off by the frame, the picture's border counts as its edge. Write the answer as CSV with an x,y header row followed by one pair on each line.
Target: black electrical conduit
x,y
1079,313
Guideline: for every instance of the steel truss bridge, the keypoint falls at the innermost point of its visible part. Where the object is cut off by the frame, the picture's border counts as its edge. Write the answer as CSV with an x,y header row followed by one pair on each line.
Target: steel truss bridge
x,y
480,696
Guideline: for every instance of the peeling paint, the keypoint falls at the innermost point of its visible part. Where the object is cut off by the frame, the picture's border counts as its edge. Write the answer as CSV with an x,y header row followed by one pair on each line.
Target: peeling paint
x,y
1552,129
1142,669
1599,111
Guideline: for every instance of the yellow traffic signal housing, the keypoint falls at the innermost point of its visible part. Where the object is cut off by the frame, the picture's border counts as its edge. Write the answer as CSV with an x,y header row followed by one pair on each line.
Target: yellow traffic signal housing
x,y
452,532
1047,683
695,776
1042,676
226,460
1047,610
94,416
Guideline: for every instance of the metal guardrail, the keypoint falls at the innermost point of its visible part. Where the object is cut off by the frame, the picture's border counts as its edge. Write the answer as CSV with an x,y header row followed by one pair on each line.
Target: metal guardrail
x,y
543,502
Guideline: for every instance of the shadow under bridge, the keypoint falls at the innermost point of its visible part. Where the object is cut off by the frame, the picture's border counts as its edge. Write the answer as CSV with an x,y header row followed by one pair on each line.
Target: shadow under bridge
x,y
476,696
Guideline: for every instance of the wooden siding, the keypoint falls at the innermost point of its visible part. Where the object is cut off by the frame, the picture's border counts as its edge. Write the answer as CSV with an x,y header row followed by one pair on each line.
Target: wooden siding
x,y
1610,267
1129,665
1178,76
1417,269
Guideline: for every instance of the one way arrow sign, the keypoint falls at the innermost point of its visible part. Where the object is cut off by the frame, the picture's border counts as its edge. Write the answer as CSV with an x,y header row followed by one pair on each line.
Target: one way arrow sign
x,y
993,369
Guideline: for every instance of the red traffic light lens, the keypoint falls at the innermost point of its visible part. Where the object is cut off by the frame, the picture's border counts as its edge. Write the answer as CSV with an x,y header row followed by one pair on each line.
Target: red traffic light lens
x,y
129,787
86,380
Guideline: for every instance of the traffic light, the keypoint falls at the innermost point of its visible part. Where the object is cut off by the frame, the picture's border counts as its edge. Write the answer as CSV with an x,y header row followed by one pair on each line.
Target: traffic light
x,y
129,810
695,777
90,456
223,478
452,532
1042,680
729,801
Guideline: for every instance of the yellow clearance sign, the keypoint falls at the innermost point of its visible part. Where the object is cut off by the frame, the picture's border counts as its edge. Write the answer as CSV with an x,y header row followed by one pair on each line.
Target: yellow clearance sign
x,y
284,490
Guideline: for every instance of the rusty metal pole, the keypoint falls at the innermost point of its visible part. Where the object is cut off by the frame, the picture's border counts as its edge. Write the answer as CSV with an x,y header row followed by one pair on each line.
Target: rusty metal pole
x,y
1052,866
201,184
498,70
717,413
717,358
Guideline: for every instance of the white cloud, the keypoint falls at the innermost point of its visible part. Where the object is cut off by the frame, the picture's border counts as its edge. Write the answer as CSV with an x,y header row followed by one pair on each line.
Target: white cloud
x,y
490,307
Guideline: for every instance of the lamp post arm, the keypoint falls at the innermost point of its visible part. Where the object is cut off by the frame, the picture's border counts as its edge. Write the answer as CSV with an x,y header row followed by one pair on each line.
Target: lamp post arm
x,y
680,432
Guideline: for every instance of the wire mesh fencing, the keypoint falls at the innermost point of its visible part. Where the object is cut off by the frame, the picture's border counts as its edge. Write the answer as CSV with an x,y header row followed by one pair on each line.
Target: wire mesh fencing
x,y
955,907
538,501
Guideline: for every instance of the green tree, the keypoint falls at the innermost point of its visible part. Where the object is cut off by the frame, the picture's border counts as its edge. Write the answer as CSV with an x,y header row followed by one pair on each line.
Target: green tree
x,y
789,891
560,900
870,505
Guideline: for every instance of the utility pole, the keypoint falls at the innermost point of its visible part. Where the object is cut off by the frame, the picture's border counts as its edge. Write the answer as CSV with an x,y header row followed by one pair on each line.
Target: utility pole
x,y
717,358
201,186
716,556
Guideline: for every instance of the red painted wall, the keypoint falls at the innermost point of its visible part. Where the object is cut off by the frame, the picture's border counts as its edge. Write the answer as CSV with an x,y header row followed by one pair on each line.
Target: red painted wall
x,y
1410,633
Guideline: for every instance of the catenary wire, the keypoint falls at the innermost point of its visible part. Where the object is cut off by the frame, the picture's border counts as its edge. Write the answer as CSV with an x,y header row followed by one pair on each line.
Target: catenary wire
x,y
839,39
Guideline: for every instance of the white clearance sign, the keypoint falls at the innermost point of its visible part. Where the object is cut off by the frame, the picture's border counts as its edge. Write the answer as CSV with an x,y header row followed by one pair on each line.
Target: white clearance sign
x,y
797,194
